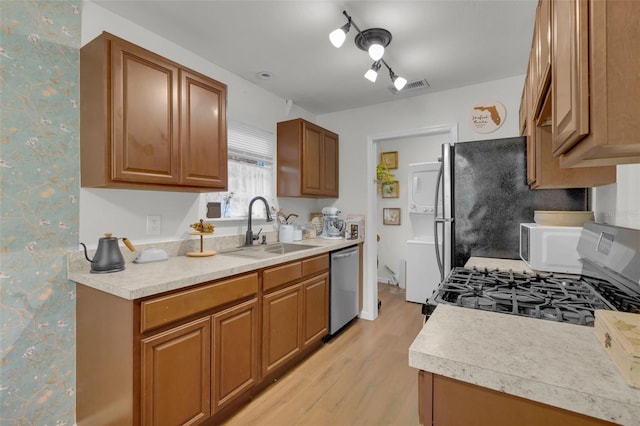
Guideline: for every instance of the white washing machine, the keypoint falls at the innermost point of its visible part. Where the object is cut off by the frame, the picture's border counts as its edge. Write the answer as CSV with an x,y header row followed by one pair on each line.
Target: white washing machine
x,y
422,274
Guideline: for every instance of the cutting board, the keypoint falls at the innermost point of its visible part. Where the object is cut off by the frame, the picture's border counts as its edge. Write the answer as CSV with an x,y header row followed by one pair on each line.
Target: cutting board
x,y
619,334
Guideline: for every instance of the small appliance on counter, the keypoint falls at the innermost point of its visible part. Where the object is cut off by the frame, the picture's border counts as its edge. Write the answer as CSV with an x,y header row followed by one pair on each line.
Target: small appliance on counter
x,y
550,248
333,224
108,257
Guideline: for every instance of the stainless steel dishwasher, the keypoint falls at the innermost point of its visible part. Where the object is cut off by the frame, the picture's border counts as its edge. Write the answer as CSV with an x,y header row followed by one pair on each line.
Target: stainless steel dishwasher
x,y
343,287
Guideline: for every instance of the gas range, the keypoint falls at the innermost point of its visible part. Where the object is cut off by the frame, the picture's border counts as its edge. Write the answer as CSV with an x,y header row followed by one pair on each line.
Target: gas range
x,y
549,297
610,280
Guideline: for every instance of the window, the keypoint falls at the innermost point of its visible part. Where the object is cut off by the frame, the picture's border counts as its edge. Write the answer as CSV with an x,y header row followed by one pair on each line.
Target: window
x,y
250,170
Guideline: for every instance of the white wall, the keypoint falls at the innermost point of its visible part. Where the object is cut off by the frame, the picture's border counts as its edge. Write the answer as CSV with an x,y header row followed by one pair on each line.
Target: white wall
x,y
619,204
124,212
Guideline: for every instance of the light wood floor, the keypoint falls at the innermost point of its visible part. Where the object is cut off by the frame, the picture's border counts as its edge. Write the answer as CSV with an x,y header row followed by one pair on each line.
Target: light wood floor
x,y
361,377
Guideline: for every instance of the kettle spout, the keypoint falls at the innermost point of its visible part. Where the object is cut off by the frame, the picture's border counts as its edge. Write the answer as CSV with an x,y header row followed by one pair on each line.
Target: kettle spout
x,y
85,252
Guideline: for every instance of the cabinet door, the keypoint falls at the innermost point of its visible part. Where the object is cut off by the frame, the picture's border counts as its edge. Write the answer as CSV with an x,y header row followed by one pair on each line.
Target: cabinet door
x,y
203,138
542,41
316,308
176,375
312,153
570,63
329,166
145,116
530,123
282,327
235,352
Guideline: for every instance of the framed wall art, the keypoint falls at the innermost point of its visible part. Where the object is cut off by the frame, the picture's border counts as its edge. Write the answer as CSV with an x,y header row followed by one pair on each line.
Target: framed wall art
x,y
391,189
389,159
391,216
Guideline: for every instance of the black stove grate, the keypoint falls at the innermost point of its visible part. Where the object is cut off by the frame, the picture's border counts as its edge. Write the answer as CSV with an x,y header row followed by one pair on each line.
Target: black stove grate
x,y
549,297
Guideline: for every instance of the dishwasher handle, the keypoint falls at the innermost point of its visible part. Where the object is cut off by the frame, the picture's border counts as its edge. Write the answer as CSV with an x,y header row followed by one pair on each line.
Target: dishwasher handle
x,y
345,253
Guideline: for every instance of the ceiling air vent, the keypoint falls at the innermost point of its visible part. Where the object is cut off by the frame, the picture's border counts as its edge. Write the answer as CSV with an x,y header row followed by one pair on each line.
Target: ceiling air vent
x,y
411,86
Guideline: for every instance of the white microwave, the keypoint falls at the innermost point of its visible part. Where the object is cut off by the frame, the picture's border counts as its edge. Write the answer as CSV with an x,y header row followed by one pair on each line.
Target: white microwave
x,y
550,248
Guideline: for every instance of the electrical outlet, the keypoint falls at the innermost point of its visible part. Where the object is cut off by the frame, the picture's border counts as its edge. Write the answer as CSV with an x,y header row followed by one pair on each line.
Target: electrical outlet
x,y
154,224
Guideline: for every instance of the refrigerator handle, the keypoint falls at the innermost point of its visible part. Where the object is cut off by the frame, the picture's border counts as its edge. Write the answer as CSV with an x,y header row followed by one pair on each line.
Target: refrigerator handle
x,y
436,221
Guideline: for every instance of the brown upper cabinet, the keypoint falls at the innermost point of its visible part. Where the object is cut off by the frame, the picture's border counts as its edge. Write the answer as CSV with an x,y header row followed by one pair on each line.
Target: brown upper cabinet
x,y
307,157
595,83
537,113
147,122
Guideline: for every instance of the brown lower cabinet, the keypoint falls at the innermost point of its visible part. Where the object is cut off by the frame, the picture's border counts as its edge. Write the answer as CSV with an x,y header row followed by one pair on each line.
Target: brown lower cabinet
x,y
451,402
294,318
176,375
195,355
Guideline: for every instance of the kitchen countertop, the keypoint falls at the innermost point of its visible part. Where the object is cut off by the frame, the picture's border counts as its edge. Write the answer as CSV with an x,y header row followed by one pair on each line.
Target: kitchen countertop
x,y
502,264
146,279
558,364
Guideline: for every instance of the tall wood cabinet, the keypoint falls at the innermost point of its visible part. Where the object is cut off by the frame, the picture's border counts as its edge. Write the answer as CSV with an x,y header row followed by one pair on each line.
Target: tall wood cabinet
x,y
544,170
307,157
147,122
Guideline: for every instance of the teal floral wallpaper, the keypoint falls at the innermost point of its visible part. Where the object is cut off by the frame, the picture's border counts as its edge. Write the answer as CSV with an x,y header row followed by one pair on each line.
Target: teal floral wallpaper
x,y
39,185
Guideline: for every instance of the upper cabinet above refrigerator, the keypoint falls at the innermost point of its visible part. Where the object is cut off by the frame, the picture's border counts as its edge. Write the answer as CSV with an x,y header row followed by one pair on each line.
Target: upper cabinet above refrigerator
x,y
544,170
580,104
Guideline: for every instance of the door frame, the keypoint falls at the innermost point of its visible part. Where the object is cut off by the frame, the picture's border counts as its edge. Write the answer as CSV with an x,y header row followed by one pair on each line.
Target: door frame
x,y
370,296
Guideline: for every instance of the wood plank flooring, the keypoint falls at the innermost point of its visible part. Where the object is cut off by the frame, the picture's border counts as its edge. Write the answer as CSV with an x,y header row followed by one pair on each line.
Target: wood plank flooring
x,y
361,377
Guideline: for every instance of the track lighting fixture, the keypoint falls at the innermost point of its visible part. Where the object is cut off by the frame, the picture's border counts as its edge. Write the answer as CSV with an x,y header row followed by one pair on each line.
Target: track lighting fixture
x,y
373,41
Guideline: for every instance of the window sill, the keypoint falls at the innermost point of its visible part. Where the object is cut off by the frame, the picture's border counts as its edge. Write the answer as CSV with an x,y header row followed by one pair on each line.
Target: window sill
x,y
233,219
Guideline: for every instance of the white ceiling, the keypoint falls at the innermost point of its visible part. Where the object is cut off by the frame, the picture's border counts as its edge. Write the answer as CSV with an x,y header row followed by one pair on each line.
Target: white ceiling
x,y
450,43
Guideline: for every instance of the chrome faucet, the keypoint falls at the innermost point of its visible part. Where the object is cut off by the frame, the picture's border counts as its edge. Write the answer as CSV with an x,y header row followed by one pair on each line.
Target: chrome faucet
x,y
249,238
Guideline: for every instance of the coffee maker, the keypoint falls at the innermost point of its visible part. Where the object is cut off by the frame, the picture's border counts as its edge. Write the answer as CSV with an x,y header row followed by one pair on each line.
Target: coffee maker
x,y
333,224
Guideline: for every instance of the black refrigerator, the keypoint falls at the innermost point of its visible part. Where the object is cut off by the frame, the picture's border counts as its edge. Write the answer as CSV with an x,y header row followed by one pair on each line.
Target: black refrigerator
x,y
484,196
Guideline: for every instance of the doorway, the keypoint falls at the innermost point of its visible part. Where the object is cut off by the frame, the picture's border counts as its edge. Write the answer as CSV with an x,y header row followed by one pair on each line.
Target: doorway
x,y
370,302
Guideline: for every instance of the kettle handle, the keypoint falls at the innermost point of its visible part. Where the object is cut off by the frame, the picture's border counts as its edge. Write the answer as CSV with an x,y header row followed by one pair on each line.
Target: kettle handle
x,y
127,243
85,252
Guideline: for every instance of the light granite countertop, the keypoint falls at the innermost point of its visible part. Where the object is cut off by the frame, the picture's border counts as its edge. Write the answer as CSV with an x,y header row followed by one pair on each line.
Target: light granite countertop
x,y
558,364
179,271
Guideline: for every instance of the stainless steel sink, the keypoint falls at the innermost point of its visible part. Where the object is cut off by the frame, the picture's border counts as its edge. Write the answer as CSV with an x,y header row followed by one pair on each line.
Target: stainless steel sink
x,y
266,250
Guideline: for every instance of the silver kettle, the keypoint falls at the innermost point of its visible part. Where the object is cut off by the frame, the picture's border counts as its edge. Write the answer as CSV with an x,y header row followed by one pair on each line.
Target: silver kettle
x,y
108,257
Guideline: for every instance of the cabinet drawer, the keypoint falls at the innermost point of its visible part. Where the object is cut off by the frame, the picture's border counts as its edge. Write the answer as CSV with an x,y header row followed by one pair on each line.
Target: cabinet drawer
x,y
278,275
164,310
315,264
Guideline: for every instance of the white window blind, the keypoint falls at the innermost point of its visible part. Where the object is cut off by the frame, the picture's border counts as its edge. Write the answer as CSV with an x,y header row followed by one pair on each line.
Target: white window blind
x,y
250,168
249,143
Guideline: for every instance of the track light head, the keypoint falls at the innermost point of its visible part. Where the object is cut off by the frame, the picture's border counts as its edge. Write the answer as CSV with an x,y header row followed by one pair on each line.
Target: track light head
x,y
337,37
398,82
372,74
